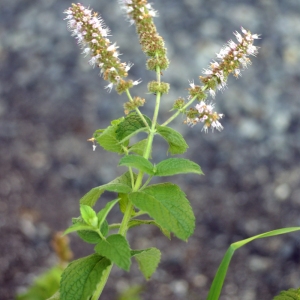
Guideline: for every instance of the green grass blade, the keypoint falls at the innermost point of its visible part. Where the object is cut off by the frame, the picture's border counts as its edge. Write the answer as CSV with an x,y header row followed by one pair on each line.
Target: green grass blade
x,y
216,287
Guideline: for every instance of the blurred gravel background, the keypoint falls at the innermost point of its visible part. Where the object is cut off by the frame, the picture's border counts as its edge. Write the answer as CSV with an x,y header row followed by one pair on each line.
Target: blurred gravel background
x,y
51,101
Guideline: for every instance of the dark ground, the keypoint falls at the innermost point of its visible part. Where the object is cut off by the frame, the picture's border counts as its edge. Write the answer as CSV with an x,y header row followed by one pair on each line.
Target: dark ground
x,y
51,101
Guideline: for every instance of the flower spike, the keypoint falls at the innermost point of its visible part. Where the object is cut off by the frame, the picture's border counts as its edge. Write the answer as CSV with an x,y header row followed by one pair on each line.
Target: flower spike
x,y
232,59
140,13
92,35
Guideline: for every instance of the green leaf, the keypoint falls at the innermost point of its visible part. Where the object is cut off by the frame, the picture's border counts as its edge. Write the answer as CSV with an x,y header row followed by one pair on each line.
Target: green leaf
x,y
138,162
77,227
44,286
139,147
89,236
131,126
168,206
148,260
216,287
121,184
91,197
89,215
104,228
173,166
137,222
291,294
102,214
79,280
123,204
116,249
56,296
177,144
108,140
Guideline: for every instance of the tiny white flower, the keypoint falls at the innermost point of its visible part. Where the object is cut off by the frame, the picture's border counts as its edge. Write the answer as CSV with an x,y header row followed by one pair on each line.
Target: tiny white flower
x,y
214,64
244,30
205,128
105,32
200,107
109,87
112,47
136,82
86,51
237,73
232,44
68,11
238,36
207,72
192,84
217,125
212,93
68,17
128,66
255,36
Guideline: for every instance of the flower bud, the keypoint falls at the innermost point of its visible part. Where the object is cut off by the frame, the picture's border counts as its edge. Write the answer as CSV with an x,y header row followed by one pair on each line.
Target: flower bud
x,y
155,87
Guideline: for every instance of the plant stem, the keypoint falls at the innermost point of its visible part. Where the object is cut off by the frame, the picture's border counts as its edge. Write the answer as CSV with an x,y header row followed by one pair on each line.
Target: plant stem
x,y
182,109
106,272
126,218
154,119
178,112
127,215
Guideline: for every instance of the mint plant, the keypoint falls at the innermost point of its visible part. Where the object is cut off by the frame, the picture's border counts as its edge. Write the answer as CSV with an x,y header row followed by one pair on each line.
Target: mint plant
x,y
141,203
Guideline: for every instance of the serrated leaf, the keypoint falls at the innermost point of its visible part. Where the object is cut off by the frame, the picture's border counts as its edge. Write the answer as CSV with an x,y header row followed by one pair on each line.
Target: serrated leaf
x,y
173,166
108,140
102,214
148,260
177,144
291,294
116,249
138,162
168,206
121,184
139,147
137,222
88,215
79,280
131,126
